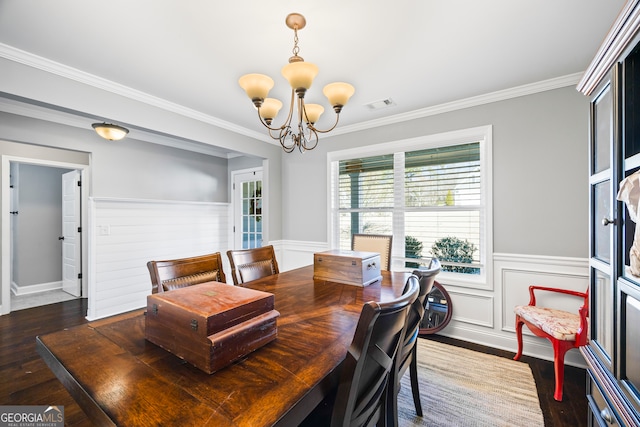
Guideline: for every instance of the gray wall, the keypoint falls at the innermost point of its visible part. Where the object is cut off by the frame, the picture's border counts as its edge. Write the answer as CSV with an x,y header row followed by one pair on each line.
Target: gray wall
x,y
540,154
38,252
126,168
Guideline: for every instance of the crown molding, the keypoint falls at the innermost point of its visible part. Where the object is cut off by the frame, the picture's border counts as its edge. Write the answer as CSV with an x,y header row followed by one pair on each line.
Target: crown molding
x,y
501,95
20,56
26,58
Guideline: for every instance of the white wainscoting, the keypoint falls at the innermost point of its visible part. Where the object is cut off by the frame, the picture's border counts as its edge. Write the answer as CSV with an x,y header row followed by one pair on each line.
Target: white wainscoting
x,y
487,317
484,314
125,234
292,254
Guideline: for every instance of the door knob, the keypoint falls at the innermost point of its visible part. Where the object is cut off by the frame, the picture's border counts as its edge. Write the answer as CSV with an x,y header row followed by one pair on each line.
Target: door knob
x,y
61,238
605,414
607,221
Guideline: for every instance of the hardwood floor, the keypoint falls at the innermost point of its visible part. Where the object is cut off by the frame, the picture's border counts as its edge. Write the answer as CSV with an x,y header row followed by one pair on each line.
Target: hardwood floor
x,y
26,380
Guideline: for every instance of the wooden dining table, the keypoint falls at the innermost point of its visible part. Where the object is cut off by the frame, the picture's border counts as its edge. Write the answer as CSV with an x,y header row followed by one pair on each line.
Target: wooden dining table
x,y
119,378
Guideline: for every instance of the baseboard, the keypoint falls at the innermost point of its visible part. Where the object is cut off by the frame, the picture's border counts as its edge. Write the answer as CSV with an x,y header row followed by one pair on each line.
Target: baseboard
x,y
34,289
532,345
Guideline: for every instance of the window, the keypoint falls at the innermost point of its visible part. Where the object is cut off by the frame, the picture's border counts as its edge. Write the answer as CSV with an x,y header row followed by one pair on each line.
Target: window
x,y
431,193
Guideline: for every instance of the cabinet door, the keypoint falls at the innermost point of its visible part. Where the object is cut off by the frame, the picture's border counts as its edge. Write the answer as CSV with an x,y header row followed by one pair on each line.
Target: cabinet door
x,y
603,187
629,357
630,155
627,362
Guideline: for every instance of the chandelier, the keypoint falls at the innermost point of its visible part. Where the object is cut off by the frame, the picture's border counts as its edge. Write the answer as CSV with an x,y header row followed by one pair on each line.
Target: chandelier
x,y
300,75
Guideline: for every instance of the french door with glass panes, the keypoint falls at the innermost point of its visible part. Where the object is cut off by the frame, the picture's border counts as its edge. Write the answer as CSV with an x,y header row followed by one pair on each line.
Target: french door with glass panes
x,y
248,212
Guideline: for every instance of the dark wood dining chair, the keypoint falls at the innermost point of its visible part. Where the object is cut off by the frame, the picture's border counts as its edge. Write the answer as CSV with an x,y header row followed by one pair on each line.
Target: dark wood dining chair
x,y
380,243
565,330
407,352
173,274
252,264
362,391
361,395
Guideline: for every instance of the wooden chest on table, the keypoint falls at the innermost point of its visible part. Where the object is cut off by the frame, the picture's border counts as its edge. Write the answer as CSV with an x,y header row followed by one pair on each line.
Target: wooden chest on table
x,y
212,324
350,267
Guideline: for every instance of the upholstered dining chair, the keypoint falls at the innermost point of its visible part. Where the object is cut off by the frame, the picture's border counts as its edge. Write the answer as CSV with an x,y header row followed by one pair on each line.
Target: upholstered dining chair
x,y
361,395
407,352
252,264
380,243
564,329
177,273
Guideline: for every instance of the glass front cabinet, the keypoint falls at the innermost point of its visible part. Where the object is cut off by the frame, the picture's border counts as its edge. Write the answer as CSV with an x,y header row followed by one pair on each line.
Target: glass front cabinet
x,y
612,83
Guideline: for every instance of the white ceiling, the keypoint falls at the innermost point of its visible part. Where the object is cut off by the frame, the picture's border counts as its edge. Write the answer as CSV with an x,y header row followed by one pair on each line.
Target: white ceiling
x,y
419,53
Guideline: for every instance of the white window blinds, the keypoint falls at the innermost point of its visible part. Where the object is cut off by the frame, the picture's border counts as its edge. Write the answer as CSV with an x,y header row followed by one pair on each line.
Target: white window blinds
x,y
430,198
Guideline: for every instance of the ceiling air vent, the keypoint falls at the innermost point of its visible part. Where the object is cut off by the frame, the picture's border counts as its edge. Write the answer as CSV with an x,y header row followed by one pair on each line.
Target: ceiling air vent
x,y
383,103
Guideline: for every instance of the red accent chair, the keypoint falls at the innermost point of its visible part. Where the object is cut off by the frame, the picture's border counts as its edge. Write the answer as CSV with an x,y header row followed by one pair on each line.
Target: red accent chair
x,y
565,330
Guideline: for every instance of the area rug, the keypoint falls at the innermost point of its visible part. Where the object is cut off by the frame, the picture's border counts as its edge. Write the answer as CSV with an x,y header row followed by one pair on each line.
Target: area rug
x,y
466,388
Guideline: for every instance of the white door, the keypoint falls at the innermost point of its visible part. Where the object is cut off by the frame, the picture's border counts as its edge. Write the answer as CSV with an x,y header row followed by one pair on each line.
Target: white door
x,y
71,233
248,210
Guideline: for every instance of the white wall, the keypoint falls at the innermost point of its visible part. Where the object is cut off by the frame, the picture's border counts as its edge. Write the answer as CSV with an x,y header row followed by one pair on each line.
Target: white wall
x,y
128,233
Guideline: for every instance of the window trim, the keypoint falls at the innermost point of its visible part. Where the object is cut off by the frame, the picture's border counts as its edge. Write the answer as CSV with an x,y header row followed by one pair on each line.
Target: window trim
x,y
482,134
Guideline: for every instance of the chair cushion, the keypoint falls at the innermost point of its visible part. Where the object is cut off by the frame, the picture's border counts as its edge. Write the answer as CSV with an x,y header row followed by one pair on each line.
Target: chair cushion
x,y
560,324
193,279
256,270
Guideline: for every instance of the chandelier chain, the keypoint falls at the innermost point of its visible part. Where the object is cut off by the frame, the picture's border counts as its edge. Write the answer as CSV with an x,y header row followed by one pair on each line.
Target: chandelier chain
x,y
296,48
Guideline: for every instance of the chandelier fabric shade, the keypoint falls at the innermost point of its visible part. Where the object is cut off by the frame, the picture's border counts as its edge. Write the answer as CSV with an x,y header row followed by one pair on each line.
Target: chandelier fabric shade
x,y
110,131
300,75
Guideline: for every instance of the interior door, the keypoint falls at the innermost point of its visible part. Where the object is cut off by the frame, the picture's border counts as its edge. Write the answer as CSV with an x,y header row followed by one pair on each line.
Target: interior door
x,y
248,213
71,234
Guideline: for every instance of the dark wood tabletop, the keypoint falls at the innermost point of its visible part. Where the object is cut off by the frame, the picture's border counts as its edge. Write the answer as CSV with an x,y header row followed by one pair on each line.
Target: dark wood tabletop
x,y
119,378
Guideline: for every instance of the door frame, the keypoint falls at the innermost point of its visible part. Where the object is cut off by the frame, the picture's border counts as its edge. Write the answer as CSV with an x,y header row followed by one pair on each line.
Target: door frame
x,y
5,263
236,209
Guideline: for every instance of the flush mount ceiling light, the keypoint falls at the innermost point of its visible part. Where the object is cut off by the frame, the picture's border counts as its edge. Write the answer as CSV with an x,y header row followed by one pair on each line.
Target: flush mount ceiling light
x,y
110,131
300,74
